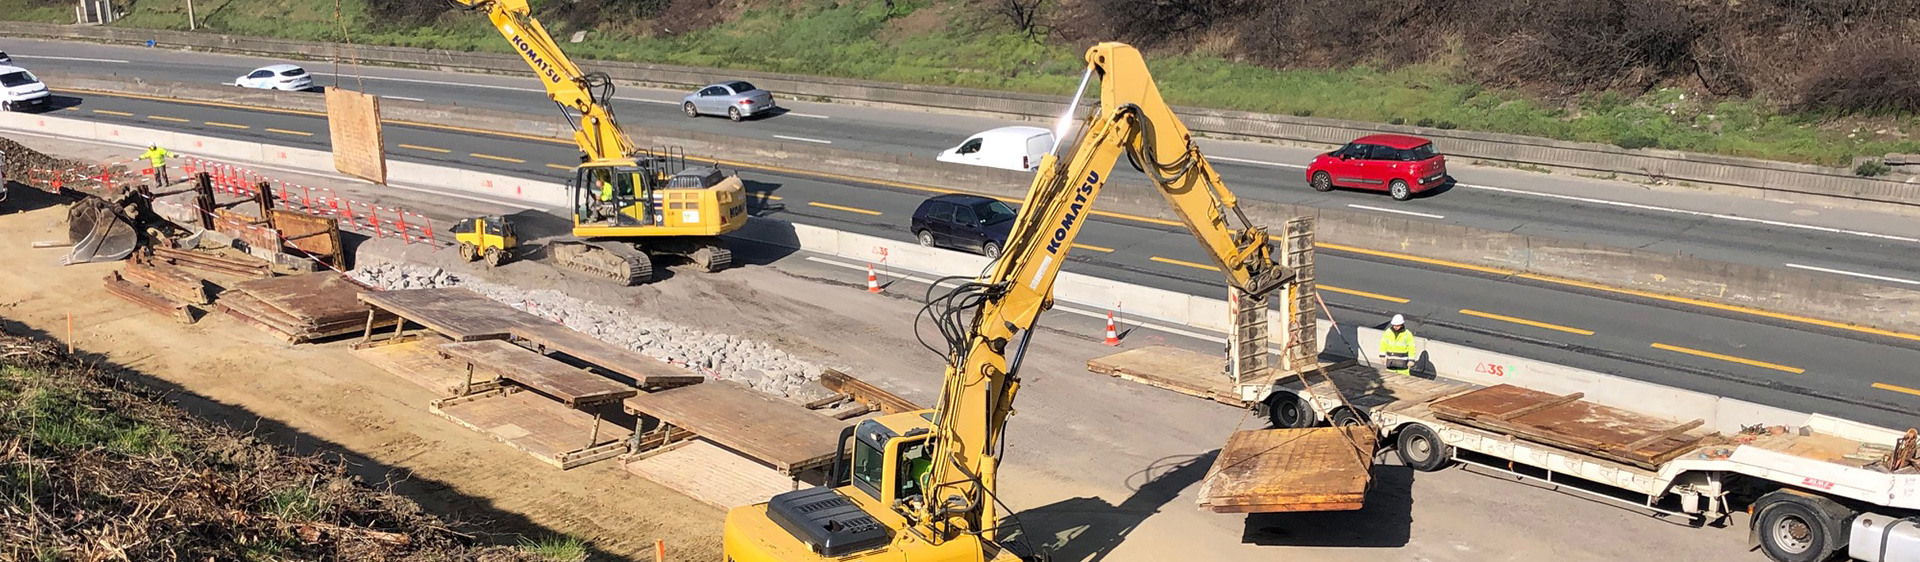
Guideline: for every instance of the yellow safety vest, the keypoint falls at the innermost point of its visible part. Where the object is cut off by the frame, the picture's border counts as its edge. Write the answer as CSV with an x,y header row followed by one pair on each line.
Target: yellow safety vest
x,y
156,156
606,191
1401,343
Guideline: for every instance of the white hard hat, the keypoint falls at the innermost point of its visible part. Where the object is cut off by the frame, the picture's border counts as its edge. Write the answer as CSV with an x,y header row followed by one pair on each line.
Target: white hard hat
x,y
1399,320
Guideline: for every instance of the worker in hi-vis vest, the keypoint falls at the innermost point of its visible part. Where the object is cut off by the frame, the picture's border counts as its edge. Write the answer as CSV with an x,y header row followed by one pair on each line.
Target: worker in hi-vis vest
x,y
1396,346
157,157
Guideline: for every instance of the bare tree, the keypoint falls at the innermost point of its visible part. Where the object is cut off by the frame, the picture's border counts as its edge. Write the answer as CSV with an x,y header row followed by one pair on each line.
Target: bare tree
x,y
1025,15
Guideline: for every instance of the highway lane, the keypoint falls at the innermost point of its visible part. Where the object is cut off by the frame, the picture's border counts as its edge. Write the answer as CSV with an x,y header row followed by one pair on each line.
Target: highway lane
x,y
1785,364
1861,245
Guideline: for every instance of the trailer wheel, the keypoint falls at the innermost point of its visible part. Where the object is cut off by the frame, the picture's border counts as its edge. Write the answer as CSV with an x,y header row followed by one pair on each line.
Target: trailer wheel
x,y
1285,411
1794,527
1348,417
1420,449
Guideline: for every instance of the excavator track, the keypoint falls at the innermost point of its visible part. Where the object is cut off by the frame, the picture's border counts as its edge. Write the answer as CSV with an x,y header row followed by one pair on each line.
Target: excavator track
x,y
712,257
616,261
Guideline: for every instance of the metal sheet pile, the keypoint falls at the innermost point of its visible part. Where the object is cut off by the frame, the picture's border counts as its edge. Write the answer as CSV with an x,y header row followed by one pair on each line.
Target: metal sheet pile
x,y
304,307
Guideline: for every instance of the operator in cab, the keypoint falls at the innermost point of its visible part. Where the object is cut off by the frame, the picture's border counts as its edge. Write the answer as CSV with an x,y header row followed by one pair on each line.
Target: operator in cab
x,y
1396,346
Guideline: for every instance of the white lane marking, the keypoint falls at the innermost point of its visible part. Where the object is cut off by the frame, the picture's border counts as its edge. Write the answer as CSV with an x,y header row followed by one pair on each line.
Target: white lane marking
x,y
807,115
1694,213
803,139
1845,272
662,102
1396,211
116,61
1260,162
402,98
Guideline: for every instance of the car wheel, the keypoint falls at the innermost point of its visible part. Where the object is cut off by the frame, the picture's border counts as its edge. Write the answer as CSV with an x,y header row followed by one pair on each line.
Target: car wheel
x,y
1399,190
926,238
1321,182
734,114
1420,449
688,107
6,106
992,250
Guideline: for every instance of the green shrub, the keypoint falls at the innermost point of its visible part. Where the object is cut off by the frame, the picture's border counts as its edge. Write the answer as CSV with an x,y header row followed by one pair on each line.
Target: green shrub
x,y
1872,168
1632,141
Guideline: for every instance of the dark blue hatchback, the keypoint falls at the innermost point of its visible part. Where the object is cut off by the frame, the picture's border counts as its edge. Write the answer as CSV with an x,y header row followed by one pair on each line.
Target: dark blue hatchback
x,y
967,222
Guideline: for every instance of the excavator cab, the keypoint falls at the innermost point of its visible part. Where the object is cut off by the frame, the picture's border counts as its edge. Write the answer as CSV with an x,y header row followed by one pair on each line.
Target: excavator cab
x,y
615,195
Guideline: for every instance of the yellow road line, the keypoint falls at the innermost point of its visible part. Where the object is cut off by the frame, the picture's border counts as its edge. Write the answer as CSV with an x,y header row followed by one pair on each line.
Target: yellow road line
x,y
1729,358
560,166
1526,322
165,118
1135,218
500,158
73,109
287,132
119,113
227,125
1185,263
1896,388
770,196
426,148
1379,296
1093,247
840,208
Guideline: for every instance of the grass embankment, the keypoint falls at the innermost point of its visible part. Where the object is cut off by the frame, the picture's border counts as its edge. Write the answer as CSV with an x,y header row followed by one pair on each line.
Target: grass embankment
x,y
95,468
948,43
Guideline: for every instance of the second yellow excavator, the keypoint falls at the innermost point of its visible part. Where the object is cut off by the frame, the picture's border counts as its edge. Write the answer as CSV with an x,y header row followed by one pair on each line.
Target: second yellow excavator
x,y
920,486
628,205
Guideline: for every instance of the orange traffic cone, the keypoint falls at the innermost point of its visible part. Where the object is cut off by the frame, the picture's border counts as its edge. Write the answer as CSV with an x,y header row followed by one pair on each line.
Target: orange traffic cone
x,y
1112,338
873,281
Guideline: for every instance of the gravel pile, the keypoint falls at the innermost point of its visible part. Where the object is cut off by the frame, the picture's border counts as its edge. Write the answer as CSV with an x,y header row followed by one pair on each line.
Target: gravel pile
x,y
719,356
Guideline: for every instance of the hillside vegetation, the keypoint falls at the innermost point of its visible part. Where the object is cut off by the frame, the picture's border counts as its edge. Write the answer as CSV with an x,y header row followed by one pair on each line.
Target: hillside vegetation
x,y
1821,81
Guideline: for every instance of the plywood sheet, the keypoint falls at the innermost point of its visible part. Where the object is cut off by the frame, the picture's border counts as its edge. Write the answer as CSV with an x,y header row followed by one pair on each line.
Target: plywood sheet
x,y
353,120
569,385
646,372
1577,425
459,314
553,433
320,297
1179,370
779,433
314,236
420,362
1275,470
711,474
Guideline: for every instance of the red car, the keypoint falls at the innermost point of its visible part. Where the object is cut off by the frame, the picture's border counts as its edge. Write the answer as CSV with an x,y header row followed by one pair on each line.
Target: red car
x,y
1400,164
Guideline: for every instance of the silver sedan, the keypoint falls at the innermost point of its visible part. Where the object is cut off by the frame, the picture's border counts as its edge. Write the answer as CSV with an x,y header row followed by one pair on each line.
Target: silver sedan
x,y
737,100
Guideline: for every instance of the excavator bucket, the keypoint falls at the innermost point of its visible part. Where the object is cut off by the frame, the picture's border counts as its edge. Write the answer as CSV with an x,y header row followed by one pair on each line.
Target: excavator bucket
x,y
98,232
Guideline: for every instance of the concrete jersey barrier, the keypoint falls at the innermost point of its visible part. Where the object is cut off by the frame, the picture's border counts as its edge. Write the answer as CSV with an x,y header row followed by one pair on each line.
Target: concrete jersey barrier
x,y
1830,185
1191,311
1824,297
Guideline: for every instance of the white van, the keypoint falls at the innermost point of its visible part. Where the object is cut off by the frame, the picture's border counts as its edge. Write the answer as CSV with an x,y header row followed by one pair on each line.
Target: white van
x,y
1007,148
19,88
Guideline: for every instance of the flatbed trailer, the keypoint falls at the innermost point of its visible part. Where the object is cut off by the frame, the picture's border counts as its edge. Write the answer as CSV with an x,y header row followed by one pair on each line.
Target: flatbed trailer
x,y
1814,491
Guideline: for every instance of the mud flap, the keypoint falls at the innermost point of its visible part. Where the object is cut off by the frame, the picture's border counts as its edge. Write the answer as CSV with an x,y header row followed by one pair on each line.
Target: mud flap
x,y
98,233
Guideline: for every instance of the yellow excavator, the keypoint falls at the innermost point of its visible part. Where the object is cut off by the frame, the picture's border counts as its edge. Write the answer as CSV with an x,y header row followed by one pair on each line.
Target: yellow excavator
x,y
628,205
920,486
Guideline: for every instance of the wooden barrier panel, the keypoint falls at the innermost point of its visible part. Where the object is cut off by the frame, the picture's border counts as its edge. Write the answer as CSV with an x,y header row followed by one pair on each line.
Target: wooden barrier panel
x,y
353,118
316,236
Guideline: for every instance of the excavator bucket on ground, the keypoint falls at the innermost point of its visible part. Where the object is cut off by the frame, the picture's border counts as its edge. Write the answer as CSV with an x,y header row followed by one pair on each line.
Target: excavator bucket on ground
x,y
98,232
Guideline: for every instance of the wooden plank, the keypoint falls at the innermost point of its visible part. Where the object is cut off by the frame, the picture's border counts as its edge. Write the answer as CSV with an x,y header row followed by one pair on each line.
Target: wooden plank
x,y
147,299
711,474
1538,406
553,433
866,393
1578,425
1664,435
646,372
460,314
1276,470
571,386
315,236
316,298
774,431
168,280
1179,370
420,362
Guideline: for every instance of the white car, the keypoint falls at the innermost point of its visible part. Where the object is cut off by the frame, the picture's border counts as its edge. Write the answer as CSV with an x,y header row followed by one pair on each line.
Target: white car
x,y
20,89
1008,148
276,77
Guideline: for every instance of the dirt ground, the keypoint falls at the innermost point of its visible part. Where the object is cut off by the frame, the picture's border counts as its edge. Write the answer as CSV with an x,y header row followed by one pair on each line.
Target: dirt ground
x,y
319,397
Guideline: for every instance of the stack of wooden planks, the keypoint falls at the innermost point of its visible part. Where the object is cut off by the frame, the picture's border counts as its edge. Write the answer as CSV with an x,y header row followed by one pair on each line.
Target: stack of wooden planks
x,y
1576,425
167,280
305,307
234,265
120,287
1280,470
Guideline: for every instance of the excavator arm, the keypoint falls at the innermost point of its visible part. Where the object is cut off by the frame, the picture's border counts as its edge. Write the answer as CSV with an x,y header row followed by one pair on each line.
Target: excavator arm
x,y
585,98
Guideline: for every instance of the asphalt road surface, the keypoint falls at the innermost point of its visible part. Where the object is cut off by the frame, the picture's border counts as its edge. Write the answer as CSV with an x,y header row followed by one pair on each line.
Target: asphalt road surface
x,y
1862,245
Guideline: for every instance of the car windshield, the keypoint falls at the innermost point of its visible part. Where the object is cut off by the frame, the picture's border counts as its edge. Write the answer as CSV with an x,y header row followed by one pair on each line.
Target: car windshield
x,y
20,78
993,212
741,87
294,72
1418,153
